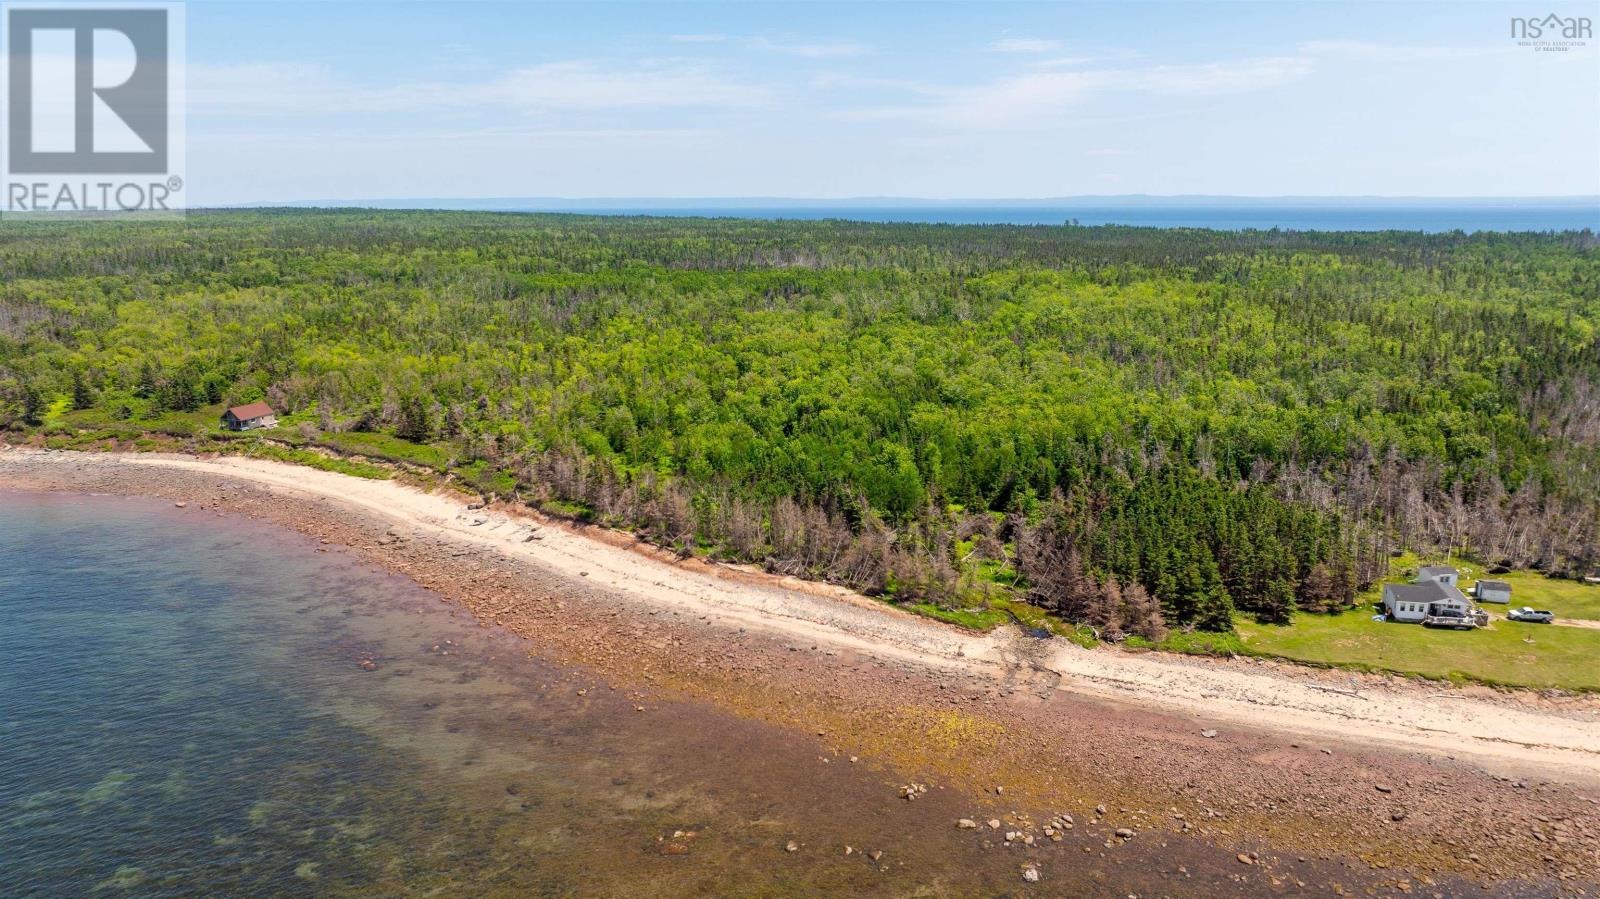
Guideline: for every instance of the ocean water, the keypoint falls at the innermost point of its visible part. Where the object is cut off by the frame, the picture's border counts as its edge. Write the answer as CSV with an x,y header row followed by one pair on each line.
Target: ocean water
x,y
1228,214
1223,218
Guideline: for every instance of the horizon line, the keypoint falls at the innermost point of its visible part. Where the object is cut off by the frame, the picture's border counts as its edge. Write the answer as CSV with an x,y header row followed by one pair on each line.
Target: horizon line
x,y
757,202
749,198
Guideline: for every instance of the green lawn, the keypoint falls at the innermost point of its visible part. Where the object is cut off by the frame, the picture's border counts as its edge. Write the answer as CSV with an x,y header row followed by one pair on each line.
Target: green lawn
x,y
1566,657
1568,599
978,619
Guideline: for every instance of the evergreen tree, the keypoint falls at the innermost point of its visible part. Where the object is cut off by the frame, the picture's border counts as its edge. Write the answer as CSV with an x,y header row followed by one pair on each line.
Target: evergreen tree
x,y
414,422
82,396
149,381
1317,592
33,404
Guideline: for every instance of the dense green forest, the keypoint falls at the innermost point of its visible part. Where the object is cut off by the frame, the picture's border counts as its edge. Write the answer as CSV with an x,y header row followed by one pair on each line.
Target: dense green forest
x,y
1134,428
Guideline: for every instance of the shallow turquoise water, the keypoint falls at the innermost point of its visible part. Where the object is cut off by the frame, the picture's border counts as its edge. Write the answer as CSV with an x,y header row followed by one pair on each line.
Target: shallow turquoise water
x,y
158,732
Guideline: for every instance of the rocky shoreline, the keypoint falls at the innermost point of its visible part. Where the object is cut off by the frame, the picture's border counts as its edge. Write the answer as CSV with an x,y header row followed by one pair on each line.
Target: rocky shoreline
x,y
1044,770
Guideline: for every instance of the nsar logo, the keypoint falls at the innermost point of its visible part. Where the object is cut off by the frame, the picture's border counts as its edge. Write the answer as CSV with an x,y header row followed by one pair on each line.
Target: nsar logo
x,y
1553,32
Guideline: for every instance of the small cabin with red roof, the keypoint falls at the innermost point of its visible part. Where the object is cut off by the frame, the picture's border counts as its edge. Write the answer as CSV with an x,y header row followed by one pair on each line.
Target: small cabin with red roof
x,y
249,417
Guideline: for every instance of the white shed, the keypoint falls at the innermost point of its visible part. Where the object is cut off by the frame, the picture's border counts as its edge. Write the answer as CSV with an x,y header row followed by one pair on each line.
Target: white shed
x,y
1492,591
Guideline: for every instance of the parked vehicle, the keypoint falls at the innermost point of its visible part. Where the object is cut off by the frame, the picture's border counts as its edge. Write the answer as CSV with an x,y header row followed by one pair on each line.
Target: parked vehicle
x,y
1530,614
1448,618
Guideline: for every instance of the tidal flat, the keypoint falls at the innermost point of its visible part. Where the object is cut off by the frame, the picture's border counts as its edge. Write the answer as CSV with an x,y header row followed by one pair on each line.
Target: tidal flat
x,y
197,702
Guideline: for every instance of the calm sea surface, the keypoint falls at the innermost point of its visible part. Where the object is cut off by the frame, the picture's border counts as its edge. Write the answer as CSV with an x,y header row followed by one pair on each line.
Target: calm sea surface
x,y
1227,217
1220,218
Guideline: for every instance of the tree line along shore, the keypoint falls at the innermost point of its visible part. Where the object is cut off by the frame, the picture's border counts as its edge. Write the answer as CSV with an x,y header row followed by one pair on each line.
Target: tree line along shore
x,y
1134,430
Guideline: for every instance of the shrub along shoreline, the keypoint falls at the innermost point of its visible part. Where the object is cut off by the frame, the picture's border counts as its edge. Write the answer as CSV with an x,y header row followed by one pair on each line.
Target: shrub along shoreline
x,y
1563,660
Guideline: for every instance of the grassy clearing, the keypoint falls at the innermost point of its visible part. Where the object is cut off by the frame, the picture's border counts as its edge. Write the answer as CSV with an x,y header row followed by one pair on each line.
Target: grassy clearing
x,y
487,479
199,423
1195,643
1568,599
1507,653
978,619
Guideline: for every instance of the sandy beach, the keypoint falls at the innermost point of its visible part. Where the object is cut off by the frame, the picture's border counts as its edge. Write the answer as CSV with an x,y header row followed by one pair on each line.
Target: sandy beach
x,y
1483,783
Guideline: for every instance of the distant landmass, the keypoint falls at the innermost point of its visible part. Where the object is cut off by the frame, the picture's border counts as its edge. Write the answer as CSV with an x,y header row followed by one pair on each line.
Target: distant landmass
x,y
1432,214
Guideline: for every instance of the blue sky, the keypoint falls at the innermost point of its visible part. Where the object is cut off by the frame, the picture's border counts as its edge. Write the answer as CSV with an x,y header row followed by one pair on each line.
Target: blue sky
x,y
297,101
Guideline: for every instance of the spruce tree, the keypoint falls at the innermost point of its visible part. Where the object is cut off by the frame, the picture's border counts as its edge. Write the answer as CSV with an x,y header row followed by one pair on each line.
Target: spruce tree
x,y
82,398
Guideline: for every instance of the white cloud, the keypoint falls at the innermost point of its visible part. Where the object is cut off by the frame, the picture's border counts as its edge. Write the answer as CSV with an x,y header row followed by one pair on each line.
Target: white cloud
x,y
1025,45
582,85
804,49
850,81
1035,97
1232,77
808,50
253,89
1070,62
1394,53
508,137
267,88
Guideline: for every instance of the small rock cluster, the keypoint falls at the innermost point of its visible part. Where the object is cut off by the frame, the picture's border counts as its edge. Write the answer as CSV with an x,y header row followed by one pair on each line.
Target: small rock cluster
x,y
1057,827
913,791
676,844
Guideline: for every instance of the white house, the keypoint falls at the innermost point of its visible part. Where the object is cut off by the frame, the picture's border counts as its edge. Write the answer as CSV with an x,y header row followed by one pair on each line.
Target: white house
x,y
1444,574
1492,591
1432,594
